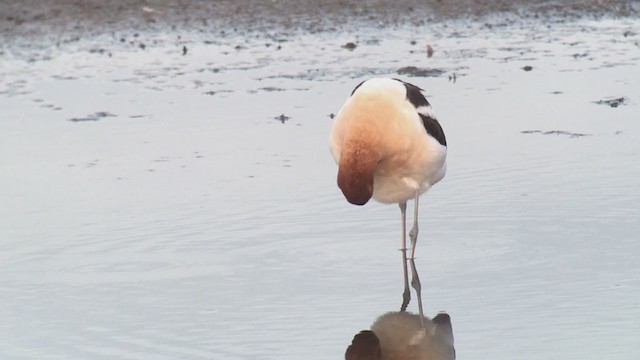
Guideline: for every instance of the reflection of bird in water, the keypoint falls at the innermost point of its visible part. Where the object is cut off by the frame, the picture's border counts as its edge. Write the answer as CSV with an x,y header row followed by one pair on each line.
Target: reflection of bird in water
x,y
389,146
400,336
365,346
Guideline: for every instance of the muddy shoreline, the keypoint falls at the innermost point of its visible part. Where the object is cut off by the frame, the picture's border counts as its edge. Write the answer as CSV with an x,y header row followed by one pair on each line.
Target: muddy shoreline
x,y
34,18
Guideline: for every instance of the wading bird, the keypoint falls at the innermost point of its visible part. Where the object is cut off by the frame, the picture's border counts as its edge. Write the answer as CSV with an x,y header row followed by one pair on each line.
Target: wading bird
x,y
389,147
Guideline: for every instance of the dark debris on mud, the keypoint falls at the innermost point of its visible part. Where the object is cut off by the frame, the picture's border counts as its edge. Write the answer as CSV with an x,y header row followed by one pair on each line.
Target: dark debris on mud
x,y
93,117
615,102
282,118
420,72
555,132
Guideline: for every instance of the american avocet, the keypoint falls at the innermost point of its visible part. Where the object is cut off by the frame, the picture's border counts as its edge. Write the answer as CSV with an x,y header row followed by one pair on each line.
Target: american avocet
x,y
389,146
402,336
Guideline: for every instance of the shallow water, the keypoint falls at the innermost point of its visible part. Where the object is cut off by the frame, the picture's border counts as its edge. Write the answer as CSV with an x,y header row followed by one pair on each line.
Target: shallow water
x,y
157,208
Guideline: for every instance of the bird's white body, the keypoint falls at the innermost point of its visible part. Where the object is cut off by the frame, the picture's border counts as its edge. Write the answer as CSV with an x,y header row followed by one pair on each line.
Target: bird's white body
x,y
410,159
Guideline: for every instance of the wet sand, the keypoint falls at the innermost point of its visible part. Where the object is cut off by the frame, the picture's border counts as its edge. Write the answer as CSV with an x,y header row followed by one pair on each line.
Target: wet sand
x,y
168,191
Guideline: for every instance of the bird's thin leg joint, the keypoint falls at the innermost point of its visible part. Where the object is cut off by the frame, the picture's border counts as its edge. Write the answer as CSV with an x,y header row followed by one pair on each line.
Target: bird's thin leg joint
x,y
406,295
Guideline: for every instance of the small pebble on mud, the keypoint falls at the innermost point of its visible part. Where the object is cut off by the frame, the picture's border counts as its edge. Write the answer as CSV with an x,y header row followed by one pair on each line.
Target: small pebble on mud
x,y
349,46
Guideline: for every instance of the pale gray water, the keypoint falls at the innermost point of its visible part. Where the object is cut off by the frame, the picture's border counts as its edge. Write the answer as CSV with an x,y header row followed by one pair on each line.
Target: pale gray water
x,y
192,224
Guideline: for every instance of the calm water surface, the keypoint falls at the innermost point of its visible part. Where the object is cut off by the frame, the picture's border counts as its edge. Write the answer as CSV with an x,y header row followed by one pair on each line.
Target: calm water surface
x,y
155,208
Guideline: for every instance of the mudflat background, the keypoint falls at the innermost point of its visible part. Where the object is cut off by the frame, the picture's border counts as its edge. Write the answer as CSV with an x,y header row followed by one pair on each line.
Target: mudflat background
x,y
168,192
88,17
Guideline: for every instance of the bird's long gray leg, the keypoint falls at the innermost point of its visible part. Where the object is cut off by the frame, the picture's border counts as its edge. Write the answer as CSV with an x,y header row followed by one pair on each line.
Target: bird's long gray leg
x,y
406,295
415,280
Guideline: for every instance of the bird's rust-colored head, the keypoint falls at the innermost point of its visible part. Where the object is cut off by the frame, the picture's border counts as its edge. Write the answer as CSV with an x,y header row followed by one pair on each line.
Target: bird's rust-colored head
x,y
355,172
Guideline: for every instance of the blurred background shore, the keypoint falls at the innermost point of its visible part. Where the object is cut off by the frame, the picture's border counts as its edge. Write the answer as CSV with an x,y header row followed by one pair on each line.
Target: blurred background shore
x,y
20,18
